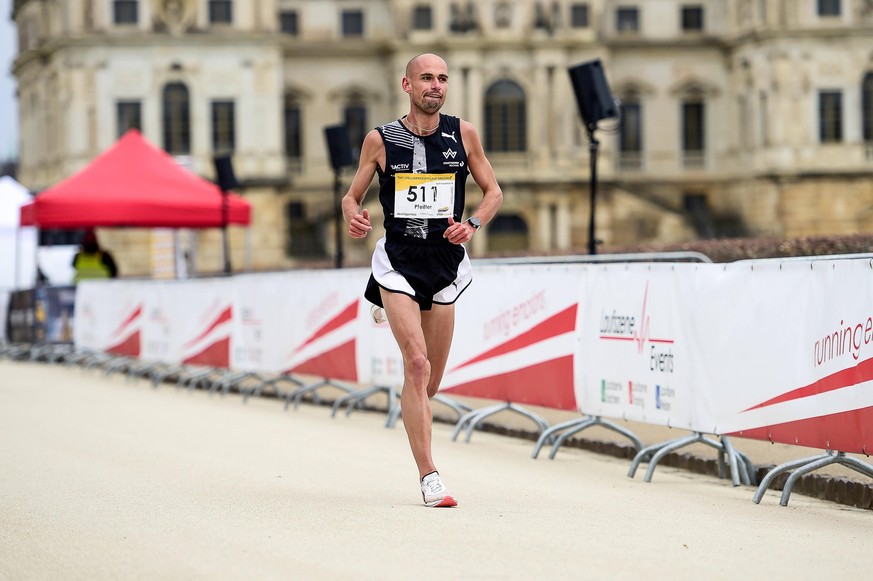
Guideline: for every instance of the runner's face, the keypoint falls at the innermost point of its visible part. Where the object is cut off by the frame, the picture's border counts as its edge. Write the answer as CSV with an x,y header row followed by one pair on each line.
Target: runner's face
x,y
427,84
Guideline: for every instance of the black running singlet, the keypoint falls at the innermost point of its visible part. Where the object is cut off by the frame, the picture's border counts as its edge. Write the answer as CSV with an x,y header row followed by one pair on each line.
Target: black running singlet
x,y
442,154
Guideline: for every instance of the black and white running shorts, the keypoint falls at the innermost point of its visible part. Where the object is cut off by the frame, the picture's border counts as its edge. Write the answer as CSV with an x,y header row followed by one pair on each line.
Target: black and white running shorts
x,y
428,271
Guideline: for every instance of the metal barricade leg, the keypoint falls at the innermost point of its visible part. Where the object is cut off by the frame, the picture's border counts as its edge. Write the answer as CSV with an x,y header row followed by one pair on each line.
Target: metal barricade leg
x,y
777,470
548,435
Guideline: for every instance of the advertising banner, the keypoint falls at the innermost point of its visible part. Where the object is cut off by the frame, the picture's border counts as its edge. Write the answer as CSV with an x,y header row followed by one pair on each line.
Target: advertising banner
x,y
109,316
305,322
189,322
634,352
516,335
790,353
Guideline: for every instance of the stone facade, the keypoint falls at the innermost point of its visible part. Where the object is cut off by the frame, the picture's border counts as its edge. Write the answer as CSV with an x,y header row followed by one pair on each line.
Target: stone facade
x,y
743,117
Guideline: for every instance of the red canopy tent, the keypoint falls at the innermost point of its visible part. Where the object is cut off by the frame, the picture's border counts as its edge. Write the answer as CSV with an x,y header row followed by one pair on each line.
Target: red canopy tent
x,y
134,184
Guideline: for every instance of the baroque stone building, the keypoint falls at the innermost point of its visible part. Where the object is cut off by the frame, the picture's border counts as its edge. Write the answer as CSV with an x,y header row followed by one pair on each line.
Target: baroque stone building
x,y
739,117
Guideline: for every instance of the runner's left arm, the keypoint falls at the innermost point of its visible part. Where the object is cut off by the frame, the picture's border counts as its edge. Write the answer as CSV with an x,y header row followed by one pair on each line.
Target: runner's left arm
x,y
483,175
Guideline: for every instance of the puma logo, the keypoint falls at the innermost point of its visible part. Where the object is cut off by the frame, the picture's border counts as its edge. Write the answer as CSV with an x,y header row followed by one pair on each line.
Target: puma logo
x,y
452,136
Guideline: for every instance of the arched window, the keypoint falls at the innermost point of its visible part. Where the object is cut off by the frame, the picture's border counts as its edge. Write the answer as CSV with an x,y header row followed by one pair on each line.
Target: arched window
x,y
177,119
867,106
505,117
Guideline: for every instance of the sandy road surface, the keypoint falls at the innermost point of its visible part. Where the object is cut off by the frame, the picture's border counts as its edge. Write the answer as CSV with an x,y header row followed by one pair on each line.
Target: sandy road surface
x,y
101,478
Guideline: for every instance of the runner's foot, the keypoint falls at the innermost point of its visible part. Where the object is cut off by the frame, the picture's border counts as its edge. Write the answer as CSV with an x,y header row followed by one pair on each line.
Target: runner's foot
x,y
435,493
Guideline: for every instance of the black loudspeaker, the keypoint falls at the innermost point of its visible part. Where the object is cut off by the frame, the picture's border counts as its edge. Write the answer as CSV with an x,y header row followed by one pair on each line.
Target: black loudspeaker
x,y
338,146
224,173
592,92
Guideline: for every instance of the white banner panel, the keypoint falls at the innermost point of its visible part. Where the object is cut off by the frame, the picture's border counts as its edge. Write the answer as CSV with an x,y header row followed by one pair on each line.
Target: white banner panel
x,y
789,355
379,359
309,324
109,316
189,322
260,301
515,335
634,348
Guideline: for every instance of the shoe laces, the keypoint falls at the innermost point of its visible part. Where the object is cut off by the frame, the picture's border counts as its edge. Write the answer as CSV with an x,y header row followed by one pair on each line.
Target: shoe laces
x,y
433,483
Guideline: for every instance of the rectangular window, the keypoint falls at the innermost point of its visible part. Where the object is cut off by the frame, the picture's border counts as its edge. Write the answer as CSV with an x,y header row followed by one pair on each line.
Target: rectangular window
x,y
829,7
764,112
305,236
176,119
129,116
220,11
293,130
352,23
223,127
125,11
743,109
579,15
288,22
355,117
693,133
422,17
830,116
692,18
627,19
630,137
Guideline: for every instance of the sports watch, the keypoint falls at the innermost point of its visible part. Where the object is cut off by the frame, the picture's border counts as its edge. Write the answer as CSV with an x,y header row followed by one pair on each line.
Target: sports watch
x,y
474,222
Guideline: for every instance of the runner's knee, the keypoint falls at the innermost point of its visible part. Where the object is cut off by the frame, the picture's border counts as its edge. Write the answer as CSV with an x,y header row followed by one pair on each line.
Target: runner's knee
x,y
420,367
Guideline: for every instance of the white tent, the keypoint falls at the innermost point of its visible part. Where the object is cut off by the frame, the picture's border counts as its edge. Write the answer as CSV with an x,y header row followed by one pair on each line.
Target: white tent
x,y
17,245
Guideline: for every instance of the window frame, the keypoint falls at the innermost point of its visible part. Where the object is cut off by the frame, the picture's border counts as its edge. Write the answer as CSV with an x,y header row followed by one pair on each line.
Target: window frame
x,y
220,12
692,18
500,135
294,16
222,115
867,107
830,116
630,151
421,15
124,110
176,118
348,27
355,116
622,13
292,118
580,11
829,8
119,7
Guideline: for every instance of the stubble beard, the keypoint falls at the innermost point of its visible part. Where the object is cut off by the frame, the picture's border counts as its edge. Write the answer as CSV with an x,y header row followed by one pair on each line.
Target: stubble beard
x,y
430,105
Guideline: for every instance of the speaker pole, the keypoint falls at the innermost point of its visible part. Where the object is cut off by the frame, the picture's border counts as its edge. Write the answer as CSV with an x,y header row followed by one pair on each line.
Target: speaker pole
x,y
338,217
340,154
224,220
593,145
226,182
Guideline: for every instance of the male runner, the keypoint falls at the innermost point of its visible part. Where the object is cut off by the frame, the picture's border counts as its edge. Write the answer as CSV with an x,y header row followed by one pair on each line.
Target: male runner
x,y
420,266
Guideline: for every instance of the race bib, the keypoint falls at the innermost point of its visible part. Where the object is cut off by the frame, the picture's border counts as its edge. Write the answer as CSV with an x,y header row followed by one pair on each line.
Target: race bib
x,y
424,195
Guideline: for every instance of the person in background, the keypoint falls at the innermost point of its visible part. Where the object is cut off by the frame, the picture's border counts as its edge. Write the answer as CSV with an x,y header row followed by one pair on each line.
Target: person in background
x,y
91,261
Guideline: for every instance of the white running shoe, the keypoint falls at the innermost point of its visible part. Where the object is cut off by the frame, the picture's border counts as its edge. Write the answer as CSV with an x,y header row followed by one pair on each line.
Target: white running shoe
x,y
378,314
435,493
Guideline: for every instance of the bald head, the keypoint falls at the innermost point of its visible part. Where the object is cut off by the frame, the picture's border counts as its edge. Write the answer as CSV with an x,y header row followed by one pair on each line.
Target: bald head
x,y
423,62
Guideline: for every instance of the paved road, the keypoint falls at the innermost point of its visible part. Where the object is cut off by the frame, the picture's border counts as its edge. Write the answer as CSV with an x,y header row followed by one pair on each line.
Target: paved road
x,y
101,478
